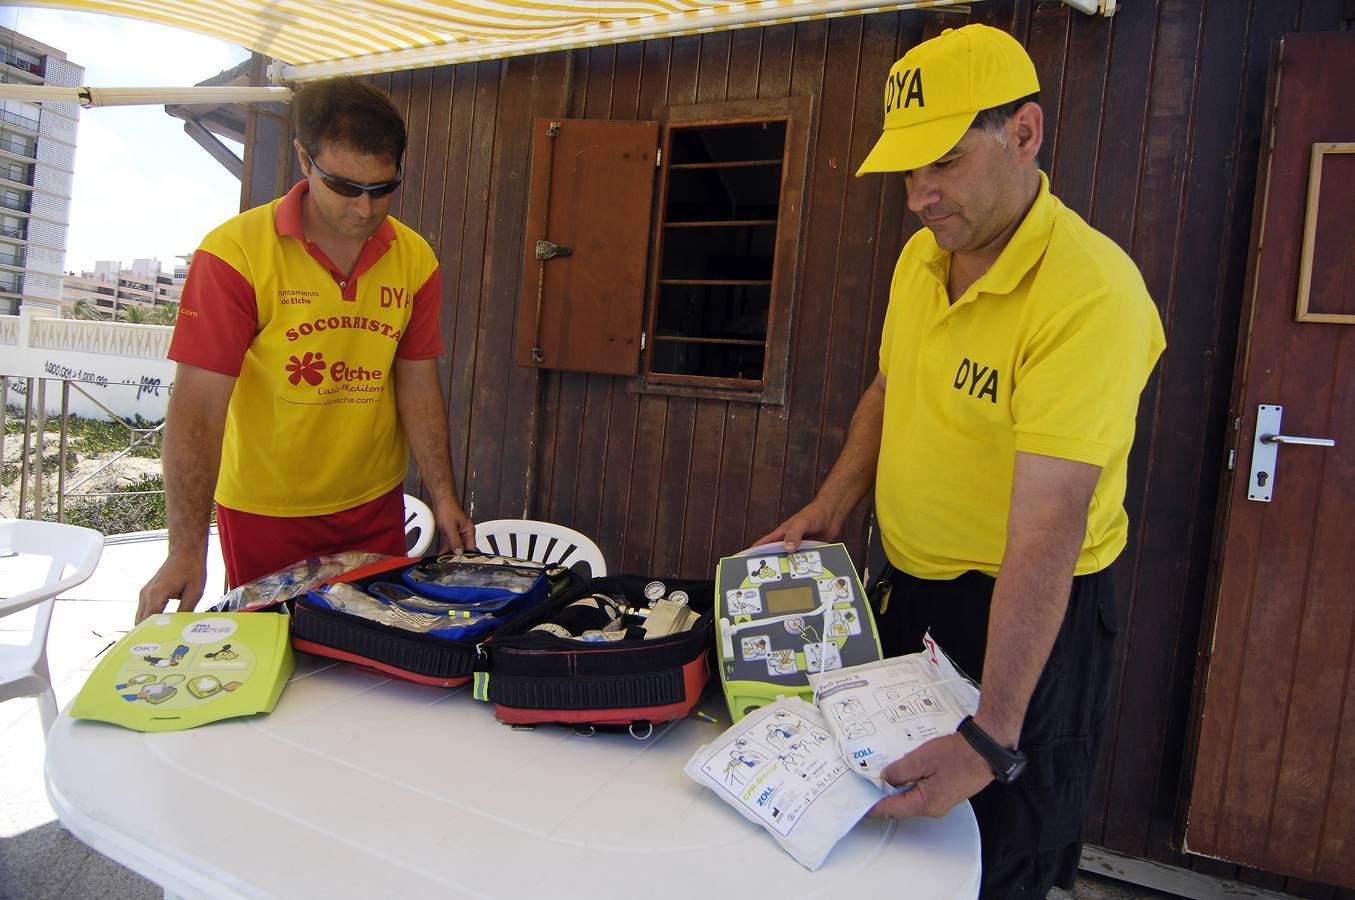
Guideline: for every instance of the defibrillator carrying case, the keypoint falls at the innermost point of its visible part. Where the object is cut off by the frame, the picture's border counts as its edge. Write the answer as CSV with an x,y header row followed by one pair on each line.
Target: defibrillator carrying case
x,y
421,619
533,676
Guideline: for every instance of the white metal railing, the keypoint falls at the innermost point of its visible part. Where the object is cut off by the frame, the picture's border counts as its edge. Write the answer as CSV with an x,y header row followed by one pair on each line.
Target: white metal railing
x,y
34,469
116,370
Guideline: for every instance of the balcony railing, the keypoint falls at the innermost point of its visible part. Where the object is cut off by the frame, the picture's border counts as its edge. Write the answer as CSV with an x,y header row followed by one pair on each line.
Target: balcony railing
x,y
20,174
18,63
17,203
19,148
14,118
11,231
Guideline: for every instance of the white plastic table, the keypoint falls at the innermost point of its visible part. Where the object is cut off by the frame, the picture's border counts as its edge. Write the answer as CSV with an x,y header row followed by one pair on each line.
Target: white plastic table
x,y
357,785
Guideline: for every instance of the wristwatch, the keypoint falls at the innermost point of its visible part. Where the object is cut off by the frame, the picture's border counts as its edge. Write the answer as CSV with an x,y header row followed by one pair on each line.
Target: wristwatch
x,y
1007,764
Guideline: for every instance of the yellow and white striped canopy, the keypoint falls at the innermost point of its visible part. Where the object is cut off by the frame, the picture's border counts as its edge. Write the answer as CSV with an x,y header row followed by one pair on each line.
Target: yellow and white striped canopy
x,y
319,40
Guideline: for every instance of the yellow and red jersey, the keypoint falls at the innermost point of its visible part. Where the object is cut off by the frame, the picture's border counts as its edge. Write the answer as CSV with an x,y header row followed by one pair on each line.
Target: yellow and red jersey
x,y
312,426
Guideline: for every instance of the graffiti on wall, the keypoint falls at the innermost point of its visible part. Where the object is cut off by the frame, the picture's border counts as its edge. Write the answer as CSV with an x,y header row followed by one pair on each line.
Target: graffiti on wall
x,y
102,384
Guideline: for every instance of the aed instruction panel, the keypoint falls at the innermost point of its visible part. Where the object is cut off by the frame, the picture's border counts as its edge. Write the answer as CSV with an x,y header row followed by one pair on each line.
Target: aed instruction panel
x,y
780,616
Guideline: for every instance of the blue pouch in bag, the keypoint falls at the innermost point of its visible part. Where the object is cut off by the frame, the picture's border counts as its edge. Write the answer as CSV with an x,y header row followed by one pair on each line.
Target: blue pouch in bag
x,y
474,585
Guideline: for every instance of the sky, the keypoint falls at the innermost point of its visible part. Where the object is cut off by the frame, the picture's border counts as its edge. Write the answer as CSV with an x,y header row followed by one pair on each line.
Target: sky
x,y
142,187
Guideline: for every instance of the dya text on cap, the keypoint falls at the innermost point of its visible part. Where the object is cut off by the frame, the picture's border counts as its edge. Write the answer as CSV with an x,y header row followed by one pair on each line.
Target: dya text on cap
x,y
934,92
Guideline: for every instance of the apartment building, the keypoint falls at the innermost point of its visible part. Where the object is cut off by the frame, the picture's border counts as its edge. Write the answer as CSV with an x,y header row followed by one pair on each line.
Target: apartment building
x,y
112,291
37,162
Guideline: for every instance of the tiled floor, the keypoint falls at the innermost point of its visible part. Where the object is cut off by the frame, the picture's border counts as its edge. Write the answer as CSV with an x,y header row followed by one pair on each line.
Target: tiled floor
x,y
40,860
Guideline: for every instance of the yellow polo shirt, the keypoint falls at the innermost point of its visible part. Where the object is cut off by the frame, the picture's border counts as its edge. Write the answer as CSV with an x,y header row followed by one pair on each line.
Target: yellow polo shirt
x,y
1046,353
312,426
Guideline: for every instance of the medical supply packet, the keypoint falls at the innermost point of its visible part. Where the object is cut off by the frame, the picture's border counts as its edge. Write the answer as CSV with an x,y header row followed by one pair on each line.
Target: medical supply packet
x,y
883,710
779,767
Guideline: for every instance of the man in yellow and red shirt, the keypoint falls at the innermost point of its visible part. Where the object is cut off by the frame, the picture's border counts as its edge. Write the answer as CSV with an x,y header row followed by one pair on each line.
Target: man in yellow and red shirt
x,y
996,437
307,345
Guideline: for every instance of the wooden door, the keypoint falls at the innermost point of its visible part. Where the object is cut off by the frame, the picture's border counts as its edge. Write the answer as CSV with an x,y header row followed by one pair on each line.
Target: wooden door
x,y
1273,784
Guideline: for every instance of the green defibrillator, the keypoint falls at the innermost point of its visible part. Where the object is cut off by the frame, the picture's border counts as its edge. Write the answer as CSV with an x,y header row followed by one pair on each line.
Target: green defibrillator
x,y
780,616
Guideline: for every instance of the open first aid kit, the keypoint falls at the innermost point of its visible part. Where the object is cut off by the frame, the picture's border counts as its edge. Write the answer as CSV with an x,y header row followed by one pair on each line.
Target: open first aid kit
x,y
781,616
613,651
422,619
181,670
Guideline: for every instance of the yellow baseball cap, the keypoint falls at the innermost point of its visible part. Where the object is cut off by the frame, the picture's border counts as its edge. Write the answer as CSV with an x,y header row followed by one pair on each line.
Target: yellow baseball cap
x,y
934,92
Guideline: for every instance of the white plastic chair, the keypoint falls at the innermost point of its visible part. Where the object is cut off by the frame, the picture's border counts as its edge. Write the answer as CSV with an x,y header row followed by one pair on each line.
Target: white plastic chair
x,y
48,559
540,541
420,529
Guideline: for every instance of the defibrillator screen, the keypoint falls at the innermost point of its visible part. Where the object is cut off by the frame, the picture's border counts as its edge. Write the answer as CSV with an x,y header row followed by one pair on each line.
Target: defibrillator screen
x,y
779,601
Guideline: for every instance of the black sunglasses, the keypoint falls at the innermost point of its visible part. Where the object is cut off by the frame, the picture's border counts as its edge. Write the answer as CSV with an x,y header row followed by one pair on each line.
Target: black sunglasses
x,y
345,188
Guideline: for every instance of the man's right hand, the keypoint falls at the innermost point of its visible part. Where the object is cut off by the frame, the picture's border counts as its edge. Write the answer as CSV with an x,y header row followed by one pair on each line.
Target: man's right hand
x,y
812,522
182,577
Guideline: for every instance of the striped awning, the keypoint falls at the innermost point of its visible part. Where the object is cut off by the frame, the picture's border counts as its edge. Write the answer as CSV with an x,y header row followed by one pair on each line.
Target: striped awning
x,y
319,40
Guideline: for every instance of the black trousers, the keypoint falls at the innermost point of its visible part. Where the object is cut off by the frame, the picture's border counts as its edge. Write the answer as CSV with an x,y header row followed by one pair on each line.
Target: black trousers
x,y
1031,830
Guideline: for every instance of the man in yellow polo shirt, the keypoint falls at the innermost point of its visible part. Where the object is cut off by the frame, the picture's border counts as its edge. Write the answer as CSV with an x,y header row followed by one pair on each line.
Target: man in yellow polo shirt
x,y
996,435
307,344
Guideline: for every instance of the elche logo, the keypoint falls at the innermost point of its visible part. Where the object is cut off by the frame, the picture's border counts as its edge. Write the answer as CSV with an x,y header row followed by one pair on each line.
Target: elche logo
x,y
903,89
312,368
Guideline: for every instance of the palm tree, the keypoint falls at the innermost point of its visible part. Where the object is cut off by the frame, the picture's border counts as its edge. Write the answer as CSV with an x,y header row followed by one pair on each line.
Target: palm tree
x,y
85,309
155,315
164,315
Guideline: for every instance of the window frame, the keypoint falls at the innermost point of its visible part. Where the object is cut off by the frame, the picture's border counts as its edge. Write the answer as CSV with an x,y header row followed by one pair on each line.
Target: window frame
x,y
798,113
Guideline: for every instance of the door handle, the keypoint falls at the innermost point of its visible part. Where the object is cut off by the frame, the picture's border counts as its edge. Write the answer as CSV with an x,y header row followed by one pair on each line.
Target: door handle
x,y
1265,450
1291,439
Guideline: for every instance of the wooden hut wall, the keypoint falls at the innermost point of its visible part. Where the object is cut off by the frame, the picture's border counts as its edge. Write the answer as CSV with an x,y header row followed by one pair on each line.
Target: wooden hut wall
x,y
1152,134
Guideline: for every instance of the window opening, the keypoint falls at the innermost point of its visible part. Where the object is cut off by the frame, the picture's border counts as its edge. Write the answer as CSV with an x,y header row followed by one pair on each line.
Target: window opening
x,y
717,241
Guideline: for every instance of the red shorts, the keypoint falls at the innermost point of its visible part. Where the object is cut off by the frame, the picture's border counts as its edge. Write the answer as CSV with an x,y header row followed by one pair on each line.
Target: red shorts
x,y
253,545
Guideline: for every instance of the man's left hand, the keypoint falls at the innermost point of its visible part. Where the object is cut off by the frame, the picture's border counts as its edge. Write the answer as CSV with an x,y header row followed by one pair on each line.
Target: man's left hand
x,y
455,531
942,772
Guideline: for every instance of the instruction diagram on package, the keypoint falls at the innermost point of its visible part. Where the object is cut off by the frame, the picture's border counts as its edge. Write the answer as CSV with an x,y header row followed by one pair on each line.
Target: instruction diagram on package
x,y
776,764
805,564
781,662
881,711
763,570
822,656
755,646
743,603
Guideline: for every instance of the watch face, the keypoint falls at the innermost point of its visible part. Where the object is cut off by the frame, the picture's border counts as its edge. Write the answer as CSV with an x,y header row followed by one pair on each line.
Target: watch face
x,y
1013,771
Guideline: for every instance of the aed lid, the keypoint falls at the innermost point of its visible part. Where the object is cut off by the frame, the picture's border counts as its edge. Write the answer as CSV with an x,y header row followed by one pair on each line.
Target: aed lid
x,y
180,670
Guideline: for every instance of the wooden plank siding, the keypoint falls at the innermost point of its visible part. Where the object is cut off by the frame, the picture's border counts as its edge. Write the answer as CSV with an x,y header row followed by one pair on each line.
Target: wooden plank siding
x,y
1153,133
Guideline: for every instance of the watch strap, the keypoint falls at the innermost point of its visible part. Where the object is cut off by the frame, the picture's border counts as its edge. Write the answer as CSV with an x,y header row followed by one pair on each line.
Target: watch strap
x,y
1007,764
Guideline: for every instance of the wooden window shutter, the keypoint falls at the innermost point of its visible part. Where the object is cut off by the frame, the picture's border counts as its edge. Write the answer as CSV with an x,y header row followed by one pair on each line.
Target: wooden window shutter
x,y
587,242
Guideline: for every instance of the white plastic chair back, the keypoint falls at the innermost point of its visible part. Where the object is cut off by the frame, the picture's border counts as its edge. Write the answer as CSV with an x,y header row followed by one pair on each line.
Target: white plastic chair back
x,y
540,541
43,559
420,528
